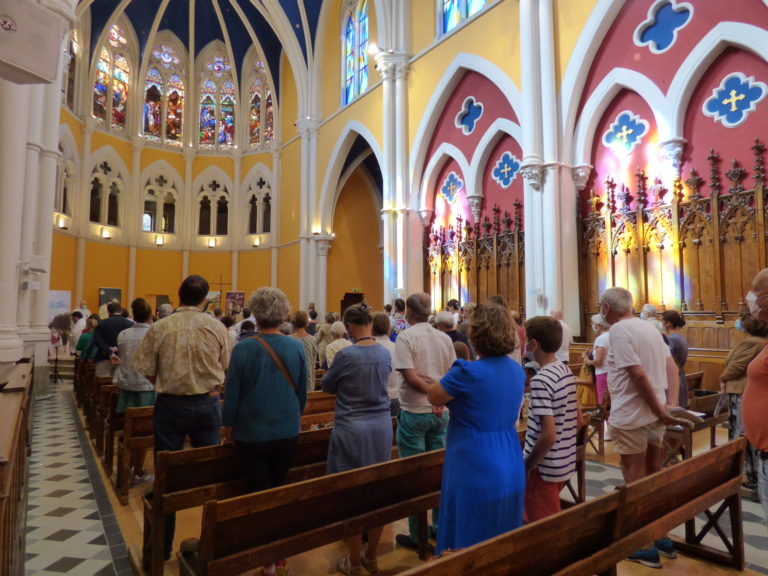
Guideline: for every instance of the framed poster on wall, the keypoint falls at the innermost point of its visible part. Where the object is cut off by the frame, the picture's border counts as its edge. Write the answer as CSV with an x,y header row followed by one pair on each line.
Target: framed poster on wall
x,y
235,301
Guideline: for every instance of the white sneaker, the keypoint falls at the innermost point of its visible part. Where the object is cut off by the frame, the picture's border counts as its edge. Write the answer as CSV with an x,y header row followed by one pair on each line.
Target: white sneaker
x,y
143,478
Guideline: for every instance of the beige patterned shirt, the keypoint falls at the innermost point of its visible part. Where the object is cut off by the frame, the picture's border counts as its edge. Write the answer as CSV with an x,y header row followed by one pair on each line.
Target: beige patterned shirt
x,y
187,352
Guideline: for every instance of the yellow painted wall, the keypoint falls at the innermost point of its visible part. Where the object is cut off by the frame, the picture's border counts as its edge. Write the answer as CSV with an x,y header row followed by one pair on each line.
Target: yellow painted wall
x,y
212,266
251,160
289,190
570,18
158,272
151,155
288,273
289,101
425,32
75,126
63,256
330,56
106,266
500,23
255,270
354,261
201,163
121,146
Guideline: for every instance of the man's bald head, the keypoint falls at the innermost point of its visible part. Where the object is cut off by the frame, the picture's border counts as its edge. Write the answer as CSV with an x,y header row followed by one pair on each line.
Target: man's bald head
x,y
556,313
418,307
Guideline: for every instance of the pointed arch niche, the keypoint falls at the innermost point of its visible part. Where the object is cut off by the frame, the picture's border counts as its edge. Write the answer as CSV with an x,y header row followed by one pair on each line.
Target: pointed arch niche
x,y
355,261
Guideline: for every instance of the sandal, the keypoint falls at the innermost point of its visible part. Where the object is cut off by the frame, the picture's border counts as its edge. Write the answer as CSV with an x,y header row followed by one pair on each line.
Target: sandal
x,y
344,565
371,565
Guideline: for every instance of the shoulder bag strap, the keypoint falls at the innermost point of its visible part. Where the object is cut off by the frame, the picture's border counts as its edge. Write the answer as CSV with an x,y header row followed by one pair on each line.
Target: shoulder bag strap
x,y
276,359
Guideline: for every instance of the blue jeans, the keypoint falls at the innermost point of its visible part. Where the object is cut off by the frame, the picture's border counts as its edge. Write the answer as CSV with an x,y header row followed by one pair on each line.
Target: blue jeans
x,y
762,485
174,418
416,434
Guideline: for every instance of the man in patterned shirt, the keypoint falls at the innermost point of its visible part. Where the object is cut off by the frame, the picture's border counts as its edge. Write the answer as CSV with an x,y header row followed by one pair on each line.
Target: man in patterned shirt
x,y
185,356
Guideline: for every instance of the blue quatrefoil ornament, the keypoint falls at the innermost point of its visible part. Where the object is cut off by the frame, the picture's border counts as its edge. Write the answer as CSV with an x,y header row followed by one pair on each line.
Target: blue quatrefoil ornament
x,y
626,132
734,99
471,111
451,187
506,169
665,19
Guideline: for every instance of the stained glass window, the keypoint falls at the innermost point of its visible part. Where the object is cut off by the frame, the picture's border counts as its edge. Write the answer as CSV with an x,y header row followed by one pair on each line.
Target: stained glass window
x,y
117,37
103,76
269,120
362,54
175,110
167,56
219,65
349,66
207,114
227,121
474,6
121,79
451,14
153,90
254,120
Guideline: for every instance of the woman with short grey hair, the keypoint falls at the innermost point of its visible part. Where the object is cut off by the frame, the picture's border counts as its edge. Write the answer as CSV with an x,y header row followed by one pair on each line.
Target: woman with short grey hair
x,y
270,307
339,332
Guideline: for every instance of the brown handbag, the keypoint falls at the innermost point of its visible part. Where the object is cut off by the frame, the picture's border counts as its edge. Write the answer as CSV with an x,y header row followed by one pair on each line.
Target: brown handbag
x,y
276,359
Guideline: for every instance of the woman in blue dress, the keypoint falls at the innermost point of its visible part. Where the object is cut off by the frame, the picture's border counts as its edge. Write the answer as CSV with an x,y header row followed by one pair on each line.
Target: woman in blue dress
x,y
362,432
483,486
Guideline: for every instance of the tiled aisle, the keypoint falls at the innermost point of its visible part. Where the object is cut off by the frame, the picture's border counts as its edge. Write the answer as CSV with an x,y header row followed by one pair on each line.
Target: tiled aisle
x,y
71,528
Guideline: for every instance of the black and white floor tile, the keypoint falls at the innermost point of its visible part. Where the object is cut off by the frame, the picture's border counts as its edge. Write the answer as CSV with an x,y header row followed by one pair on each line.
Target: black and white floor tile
x,y
71,528
602,479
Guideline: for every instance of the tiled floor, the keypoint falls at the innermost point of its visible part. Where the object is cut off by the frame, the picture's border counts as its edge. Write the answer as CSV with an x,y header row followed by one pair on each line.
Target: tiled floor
x,y
71,528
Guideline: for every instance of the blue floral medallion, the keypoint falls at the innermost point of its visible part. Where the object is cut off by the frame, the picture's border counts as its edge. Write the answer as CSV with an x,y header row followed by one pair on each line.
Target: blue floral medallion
x,y
665,19
625,133
470,113
451,187
734,99
506,169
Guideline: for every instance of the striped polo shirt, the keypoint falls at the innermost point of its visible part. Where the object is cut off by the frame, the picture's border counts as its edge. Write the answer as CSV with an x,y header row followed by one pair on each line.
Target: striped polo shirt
x,y
553,393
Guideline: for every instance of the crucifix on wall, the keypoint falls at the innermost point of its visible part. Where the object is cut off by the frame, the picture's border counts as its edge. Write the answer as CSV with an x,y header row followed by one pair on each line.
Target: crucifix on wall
x,y
214,297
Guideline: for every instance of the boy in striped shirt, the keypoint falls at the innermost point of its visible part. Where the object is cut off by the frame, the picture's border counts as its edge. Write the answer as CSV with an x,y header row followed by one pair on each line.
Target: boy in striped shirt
x,y
550,441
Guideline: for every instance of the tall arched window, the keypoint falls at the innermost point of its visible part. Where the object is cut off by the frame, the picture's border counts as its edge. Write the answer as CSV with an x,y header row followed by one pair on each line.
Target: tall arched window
x,y
259,209
217,118
159,206
64,188
70,69
261,113
454,12
355,51
164,94
105,196
213,210
113,76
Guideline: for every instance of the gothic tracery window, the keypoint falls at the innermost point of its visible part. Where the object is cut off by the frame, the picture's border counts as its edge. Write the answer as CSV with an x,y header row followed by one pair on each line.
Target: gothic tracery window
x,y
106,192
259,208
113,77
213,210
261,111
355,51
164,97
159,206
454,12
70,70
218,100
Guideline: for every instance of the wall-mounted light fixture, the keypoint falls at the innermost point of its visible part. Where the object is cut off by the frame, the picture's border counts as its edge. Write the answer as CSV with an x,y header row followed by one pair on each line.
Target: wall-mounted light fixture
x,y
105,233
159,240
61,223
212,242
256,241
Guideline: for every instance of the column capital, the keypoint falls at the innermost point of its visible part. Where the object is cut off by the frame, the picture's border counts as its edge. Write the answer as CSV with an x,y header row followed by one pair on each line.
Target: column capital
x,y
426,216
475,202
534,174
580,175
189,154
307,127
138,143
672,150
391,64
323,244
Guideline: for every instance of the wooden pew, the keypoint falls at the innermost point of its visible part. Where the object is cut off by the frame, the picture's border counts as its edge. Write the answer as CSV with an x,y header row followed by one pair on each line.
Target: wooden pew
x,y
318,402
593,537
107,396
188,478
115,423
243,533
92,403
318,420
137,433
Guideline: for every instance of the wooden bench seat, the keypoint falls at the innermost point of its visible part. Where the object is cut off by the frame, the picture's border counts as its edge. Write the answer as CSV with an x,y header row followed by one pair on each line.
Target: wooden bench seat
x,y
137,434
243,533
593,537
318,402
189,478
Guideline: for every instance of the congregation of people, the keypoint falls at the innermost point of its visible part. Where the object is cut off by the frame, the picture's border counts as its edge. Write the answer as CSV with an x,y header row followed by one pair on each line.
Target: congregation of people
x,y
472,379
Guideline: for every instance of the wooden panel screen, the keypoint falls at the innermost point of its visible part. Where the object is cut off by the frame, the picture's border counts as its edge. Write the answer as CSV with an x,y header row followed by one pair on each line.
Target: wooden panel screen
x,y
691,252
472,263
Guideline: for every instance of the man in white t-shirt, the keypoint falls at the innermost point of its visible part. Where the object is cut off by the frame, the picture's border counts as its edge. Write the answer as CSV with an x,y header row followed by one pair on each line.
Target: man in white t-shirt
x,y
563,354
642,380
423,356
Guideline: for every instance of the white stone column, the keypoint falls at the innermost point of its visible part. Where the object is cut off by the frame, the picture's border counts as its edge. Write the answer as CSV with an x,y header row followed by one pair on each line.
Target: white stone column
x,y
188,232
29,212
274,225
323,246
80,220
236,221
132,216
235,273
131,276
308,202
14,111
532,169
